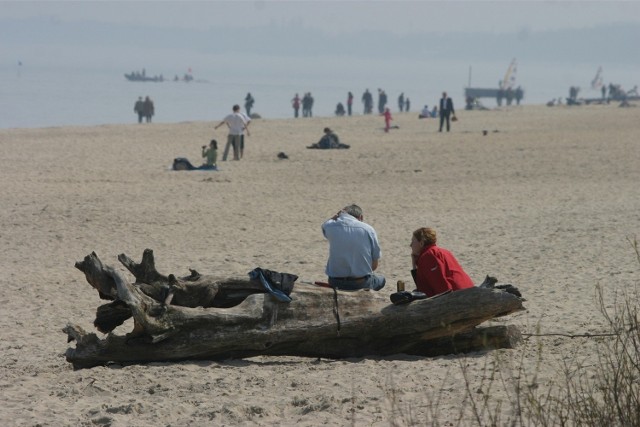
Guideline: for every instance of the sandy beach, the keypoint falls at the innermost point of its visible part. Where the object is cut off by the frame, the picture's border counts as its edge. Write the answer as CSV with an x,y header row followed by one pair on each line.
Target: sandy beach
x,y
547,201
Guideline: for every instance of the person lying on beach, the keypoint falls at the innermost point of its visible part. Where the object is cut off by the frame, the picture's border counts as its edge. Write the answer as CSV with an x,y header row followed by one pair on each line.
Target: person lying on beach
x,y
434,269
328,140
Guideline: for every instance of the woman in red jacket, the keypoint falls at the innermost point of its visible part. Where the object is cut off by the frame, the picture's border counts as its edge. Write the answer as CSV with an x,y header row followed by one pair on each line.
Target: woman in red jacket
x,y
435,270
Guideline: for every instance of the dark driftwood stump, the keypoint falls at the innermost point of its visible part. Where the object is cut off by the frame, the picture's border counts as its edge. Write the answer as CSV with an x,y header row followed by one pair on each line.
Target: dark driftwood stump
x,y
212,318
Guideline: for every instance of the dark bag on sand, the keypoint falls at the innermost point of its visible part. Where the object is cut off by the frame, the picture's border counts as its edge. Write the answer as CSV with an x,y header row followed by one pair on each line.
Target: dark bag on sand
x,y
182,164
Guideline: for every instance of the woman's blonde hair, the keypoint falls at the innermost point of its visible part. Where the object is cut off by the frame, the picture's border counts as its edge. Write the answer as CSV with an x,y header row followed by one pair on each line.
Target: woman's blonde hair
x,y
426,236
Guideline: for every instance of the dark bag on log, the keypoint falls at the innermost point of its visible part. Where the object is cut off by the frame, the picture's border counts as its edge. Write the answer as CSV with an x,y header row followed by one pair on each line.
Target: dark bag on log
x,y
277,284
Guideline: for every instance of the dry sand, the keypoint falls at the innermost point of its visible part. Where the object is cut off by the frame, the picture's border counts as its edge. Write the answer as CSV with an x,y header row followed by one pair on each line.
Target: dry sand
x,y
546,201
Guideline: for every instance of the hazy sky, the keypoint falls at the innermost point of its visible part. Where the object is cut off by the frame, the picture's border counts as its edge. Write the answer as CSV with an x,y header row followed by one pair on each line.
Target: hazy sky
x,y
339,16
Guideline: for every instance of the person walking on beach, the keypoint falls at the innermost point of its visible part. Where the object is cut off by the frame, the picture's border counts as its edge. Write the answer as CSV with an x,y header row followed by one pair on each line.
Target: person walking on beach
x,y
295,102
446,111
434,269
138,108
382,100
387,119
349,102
307,105
237,126
354,251
401,102
148,109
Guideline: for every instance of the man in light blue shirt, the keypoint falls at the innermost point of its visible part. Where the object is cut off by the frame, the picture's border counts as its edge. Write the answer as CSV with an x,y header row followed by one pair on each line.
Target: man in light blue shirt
x,y
354,251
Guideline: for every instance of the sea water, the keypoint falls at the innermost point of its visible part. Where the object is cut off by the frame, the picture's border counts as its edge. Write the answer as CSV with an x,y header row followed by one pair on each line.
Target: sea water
x,y
46,95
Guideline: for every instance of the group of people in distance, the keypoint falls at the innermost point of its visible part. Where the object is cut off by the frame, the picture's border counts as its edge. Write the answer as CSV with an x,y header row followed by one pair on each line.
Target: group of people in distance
x,y
306,102
404,104
446,112
144,109
238,124
354,253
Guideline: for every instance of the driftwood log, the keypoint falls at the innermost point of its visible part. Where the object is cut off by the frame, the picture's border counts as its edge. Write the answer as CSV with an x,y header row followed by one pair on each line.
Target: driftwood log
x,y
204,317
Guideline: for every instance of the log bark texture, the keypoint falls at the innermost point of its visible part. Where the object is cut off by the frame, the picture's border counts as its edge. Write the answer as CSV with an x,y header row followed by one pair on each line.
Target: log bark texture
x,y
317,322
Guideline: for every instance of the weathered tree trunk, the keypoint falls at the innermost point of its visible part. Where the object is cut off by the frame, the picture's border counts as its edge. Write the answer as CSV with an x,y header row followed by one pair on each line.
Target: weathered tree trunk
x,y
315,323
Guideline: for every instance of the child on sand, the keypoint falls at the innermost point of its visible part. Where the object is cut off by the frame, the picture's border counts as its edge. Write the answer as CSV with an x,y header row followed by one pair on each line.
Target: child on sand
x,y
387,119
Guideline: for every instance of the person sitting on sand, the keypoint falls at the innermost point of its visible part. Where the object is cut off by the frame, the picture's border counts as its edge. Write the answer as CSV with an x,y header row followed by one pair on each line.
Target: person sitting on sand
x,y
425,113
210,154
328,140
435,269
354,251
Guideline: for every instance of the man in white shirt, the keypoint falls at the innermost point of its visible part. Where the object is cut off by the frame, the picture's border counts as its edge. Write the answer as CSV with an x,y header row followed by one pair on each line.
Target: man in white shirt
x,y
237,125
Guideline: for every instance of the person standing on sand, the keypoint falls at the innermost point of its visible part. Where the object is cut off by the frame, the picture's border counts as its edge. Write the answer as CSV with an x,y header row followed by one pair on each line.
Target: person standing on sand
x,y
248,103
295,102
237,126
401,102
138,108
367,101
349,102
307,105
354,251
435,270
382,100
446,111
148,108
